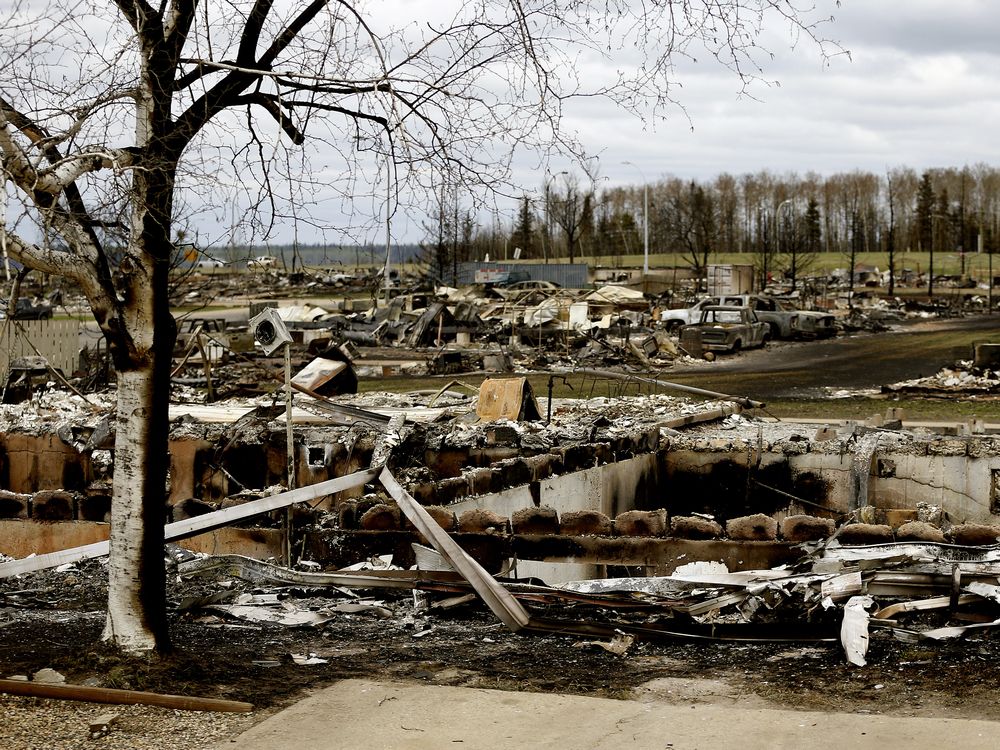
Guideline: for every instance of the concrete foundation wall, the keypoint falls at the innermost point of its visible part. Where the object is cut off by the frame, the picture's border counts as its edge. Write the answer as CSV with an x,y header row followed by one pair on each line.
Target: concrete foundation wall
x,y
950,473
610,488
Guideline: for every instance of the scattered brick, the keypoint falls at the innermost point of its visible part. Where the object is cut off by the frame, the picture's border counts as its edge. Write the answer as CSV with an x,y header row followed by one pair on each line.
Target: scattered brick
x,y
347,514
442,517
53,505
381,517
479,521
694,527
543,520
806,528
974,533
586,523
641,523
919,531
13,504
865,533
755,528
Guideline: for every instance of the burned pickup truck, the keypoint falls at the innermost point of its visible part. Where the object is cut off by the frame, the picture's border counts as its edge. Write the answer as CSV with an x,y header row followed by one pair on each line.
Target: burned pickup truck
x,y
784,320
729,329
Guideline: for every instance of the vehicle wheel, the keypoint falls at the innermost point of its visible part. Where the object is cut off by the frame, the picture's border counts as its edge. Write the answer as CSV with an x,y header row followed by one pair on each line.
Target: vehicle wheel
x,y
765,340
737,345
775,331
673,326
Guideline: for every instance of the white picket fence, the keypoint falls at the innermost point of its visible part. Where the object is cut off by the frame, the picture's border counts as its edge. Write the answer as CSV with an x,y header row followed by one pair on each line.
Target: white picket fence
x,y
56,340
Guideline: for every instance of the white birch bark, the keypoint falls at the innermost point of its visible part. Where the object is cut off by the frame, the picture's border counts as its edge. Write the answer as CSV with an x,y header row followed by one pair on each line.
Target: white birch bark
x,y
127,625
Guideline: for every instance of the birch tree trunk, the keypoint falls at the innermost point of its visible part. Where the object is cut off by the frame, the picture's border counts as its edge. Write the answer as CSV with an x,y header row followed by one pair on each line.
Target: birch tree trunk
x,y
142,345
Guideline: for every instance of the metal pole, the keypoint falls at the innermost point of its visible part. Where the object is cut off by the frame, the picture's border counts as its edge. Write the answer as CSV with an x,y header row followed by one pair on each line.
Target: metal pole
x,y
645,217
645,228
777,234
290,450
388,225
548,212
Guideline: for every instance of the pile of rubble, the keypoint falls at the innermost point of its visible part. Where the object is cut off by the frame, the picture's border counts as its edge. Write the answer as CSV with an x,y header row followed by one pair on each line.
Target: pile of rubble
x,y
964,378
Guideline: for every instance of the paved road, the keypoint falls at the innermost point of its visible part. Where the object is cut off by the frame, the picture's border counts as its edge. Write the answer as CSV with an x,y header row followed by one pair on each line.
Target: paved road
x,y
858,361
364,715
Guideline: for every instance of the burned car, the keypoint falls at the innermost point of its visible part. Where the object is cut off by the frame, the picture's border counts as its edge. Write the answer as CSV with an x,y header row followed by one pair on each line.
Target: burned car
x,y
26,308
730,328
785,320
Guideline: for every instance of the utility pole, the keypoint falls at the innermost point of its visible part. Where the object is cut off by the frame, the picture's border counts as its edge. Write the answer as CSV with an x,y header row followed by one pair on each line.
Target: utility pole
x,y
645,218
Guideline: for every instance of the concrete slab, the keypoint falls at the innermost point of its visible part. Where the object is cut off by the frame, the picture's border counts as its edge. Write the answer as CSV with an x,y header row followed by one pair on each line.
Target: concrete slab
x,y
365,715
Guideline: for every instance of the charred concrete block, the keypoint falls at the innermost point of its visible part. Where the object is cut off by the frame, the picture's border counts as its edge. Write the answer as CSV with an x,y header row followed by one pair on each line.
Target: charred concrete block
x,y
424,493
649,440
451,489
586,523
755,528
496,454
919,531
543,520
624,446
479,521
974,533
381,517
499,434
694,527
558,464
514,472
442,517
641,523
540,466
94,506
347,514
14,505
603,454
480,480
43,462
806,528
577,457
865,533
53,505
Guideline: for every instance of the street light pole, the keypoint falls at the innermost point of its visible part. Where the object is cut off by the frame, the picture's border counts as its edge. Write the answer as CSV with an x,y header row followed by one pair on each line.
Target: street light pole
x,y
548,214
777,238
645,218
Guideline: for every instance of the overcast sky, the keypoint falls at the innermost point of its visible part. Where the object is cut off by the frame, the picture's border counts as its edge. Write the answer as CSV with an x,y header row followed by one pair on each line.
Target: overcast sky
x,y
921,87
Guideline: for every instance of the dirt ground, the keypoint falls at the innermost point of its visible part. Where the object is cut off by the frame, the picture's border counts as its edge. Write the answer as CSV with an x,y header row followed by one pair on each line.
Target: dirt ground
x,y
54,620
912,349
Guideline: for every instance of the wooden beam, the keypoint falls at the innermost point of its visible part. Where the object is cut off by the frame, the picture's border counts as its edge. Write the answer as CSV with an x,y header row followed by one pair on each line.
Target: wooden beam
x,y
120,697
197,525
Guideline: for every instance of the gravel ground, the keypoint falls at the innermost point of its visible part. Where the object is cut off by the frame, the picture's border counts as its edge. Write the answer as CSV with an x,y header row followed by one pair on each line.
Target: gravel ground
x,y
39,724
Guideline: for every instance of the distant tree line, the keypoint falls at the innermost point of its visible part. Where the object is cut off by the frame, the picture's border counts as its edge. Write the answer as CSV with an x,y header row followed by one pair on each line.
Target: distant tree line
x,y
780,221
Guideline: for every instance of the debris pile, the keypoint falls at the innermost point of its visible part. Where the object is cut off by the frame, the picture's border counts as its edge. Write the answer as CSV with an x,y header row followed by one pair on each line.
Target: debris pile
x,y
962,378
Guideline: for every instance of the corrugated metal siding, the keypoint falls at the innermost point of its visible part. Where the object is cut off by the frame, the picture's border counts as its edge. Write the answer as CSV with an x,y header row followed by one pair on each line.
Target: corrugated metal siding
x,y
569,275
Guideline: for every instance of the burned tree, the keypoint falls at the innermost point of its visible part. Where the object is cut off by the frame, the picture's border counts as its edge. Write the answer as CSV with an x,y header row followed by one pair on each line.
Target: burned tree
x,y
119,120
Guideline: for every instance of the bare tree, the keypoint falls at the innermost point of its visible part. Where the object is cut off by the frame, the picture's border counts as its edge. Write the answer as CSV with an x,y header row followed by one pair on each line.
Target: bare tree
x,y
571,212
117,119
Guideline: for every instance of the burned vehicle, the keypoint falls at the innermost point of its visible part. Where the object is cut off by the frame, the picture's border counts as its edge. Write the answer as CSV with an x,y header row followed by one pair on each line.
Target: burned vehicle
x,y
785,320
730,329
26,308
